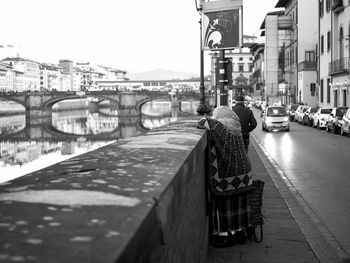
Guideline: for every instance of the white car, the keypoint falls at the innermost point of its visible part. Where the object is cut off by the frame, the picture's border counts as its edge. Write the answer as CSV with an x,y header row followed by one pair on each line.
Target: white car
x,y
301,114
298,111
345,127
321,116
275,118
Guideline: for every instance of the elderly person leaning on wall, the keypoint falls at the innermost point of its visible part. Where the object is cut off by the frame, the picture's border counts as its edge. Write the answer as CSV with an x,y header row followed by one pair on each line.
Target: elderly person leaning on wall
x,y
229,179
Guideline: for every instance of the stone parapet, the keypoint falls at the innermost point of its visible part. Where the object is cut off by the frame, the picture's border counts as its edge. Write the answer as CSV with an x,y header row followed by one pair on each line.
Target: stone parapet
x,y
141,199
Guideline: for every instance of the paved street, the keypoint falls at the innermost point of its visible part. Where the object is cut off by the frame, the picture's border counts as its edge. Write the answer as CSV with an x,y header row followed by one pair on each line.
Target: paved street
x,y
297,224
316,165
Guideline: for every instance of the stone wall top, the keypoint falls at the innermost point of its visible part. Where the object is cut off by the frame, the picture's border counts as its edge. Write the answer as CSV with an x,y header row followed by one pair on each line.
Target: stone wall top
x,y
87,208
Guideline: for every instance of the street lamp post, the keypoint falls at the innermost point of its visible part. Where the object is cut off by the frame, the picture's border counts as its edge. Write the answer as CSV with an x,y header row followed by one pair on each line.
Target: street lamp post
x,y
202,107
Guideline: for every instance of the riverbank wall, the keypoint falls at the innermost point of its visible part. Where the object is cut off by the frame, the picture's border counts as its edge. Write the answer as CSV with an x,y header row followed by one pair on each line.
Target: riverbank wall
x,y
141,199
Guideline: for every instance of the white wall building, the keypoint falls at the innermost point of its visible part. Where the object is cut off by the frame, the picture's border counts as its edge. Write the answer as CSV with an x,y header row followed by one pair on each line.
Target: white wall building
x,y
30,70
277,78
50,77
325,52
339,68
300,50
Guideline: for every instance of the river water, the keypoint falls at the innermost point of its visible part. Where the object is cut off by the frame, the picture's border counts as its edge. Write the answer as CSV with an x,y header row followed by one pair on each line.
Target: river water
x,y
28,147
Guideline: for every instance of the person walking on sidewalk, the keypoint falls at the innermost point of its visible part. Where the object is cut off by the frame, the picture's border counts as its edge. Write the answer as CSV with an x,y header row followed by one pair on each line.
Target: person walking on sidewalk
x,y
229,178
246,119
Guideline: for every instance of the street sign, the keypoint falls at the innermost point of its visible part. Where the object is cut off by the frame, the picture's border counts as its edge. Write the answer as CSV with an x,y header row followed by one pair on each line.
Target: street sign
x,y
222,24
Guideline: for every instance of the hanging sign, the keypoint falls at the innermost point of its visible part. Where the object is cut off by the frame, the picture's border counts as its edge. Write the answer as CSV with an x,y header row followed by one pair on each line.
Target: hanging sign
x,y
222,24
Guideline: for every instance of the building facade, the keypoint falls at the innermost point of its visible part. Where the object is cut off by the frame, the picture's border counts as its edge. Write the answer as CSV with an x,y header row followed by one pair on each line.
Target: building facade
x,y
257,78
325,52
30,70
242,68
300,50
338,79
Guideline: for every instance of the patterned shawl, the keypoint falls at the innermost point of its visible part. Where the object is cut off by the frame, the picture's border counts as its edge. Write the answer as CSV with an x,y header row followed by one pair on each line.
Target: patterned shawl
x,y
229,168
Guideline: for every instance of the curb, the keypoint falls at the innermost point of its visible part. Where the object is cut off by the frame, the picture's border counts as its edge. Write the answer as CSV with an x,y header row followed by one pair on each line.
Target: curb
x,y
323,243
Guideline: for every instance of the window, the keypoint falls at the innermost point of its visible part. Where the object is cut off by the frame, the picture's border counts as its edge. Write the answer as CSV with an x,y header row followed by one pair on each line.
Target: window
x,y
328,5
276,111
328,40
310,56
335,98
321,91
322,44
344,98
240,68
341,43
240,59
328,90
321,8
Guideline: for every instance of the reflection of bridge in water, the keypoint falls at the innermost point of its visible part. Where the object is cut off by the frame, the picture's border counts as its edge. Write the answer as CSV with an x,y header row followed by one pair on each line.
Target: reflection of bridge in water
x,y
41,129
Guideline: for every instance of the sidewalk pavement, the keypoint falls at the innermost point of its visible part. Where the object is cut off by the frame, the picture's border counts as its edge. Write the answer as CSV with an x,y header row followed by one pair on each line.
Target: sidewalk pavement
x,y
289,233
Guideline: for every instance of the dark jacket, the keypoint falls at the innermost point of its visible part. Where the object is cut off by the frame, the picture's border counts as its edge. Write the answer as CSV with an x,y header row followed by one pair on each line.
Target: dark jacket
x,y
246,118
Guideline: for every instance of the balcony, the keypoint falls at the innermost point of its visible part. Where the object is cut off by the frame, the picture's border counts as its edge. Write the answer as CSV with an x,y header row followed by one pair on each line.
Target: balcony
x,y
339,66
307,66
337,6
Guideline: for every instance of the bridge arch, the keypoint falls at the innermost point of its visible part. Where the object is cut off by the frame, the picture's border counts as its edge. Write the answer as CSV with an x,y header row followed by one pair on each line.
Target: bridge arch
x,y
14,99
48,104
148,99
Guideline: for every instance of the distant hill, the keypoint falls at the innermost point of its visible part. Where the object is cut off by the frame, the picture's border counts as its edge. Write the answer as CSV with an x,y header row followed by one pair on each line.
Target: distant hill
x,y
160,74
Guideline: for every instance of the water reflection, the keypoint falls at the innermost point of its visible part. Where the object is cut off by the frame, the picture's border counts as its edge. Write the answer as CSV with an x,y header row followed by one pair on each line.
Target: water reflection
x,y
82,122
12,124
27,147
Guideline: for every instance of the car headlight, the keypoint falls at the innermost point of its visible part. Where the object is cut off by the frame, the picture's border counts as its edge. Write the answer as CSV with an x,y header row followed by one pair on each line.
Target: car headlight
x,y
285,119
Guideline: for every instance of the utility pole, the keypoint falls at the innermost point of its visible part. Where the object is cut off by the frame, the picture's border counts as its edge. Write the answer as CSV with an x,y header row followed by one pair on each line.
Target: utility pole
x,y
222,78
202,107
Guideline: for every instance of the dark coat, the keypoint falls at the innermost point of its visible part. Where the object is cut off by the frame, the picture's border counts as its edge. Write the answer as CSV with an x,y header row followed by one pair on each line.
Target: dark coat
x,y
246,118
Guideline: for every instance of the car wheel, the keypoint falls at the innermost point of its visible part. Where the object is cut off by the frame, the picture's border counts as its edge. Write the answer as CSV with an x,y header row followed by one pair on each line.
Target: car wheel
x,y
318,125
287,130
335,130
342,133
327,128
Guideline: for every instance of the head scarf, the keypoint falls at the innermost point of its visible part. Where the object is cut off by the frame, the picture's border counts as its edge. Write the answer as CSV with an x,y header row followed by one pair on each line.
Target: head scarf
x,y
227,117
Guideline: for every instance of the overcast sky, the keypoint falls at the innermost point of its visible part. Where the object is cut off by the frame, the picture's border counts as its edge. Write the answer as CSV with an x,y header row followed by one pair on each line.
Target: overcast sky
x,y
132,35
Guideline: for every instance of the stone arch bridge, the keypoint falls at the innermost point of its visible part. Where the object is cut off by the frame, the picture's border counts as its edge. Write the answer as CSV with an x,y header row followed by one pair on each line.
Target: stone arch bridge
x,y
127,103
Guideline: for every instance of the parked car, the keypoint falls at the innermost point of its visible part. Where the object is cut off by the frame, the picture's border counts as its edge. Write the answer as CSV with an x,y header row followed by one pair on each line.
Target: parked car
x,y
320,117
345,126
309,116
291,108
334,120
301,114
275,118
298,111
